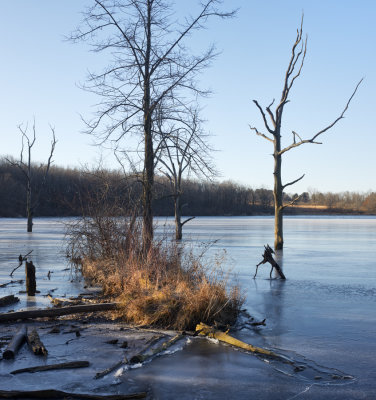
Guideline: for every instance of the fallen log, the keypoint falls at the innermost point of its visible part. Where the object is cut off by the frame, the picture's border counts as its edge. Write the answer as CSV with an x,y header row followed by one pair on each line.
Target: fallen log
x,y
56,312
6,300
49,367
58,394
139,358
208,331
35,344
15,344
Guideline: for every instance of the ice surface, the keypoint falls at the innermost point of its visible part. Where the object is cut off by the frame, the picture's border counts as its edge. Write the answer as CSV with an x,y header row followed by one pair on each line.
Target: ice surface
x,y
323,317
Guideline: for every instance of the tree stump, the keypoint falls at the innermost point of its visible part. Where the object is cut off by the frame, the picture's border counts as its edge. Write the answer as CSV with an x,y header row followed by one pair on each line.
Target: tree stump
x,y
31,284
35,344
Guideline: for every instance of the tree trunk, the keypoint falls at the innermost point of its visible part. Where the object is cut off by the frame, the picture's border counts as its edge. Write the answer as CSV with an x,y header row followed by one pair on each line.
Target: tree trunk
x,y
278,195
178,224
29,221
148,174
29,211
148,181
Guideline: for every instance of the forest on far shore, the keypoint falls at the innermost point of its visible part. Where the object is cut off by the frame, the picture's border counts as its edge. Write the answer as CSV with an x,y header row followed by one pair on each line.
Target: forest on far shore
x,y
68,191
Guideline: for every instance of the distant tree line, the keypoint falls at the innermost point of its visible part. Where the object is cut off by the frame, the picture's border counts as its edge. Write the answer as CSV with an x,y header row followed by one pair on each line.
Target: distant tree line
x,y
69,191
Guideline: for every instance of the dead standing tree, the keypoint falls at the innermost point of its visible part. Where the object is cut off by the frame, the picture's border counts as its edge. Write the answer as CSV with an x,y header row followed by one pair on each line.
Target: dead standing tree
x,y
32,193
184,151
273,124
151,65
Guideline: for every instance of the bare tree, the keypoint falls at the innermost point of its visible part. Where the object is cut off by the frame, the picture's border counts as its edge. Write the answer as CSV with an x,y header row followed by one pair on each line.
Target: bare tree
x,y
185,152
273,123
25,165
151,65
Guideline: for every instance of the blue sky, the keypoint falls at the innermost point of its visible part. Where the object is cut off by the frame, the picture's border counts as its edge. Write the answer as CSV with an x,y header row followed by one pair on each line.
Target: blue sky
x,y
39,73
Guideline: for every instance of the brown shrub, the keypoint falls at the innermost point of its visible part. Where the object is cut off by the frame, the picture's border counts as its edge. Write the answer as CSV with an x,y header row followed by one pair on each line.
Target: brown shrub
x,y
170,287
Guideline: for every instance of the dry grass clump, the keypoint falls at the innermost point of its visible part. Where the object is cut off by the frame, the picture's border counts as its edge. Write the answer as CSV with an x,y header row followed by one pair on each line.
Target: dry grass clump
x,y
169,287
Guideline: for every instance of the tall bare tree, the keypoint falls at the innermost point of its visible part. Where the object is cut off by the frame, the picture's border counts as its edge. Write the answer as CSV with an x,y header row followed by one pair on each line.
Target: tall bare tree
x,y
184,152
273,124
26,166
151,65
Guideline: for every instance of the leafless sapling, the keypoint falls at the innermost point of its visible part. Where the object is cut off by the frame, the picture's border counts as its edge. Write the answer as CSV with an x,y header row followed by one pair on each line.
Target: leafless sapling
x,y
26,166
184,152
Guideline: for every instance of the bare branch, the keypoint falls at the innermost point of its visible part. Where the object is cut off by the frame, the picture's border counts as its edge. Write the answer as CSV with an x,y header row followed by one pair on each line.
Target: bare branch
x,y
290,70
271,113
293,182
187,220
125,36
312,140
264,117
292,202
260,134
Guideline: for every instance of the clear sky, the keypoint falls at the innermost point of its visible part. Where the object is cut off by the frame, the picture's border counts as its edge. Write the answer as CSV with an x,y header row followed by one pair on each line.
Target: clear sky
x,y
40,71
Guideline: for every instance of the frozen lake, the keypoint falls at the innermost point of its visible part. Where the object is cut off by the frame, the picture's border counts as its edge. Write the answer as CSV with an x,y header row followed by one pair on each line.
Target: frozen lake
x,y
323,316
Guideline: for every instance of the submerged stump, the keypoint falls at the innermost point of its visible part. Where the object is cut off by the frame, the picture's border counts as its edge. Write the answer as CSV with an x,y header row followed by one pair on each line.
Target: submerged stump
x,y
268,257
31,284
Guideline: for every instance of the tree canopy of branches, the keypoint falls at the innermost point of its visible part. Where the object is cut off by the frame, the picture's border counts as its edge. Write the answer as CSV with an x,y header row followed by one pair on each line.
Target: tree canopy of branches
x,y
184,152
273,124
151,67
25,166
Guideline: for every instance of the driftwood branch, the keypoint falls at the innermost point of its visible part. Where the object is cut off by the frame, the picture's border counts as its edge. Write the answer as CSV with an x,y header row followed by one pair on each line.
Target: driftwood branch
x,y
208,331
58,394
111,368
165,345
11,283
21,259
268,257
41,368
57,312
